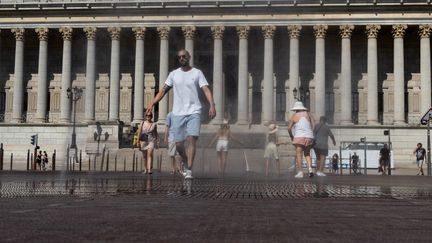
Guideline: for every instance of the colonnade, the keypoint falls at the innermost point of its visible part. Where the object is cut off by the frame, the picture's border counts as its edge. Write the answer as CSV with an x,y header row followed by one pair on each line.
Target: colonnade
x,y
268,32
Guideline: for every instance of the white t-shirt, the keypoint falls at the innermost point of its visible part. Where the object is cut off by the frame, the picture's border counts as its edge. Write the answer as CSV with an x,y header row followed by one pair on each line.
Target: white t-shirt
x,y
185,87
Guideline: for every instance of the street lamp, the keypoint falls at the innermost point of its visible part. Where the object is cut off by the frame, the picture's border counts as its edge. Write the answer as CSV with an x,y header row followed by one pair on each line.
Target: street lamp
x,y
74,94
301,95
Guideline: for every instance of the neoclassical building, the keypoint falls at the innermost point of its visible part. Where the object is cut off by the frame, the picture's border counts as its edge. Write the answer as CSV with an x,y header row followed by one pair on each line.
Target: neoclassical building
x,y
364,64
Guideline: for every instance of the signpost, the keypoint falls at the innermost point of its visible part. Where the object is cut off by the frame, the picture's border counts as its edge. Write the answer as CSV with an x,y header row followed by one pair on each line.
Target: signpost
x,y
425,120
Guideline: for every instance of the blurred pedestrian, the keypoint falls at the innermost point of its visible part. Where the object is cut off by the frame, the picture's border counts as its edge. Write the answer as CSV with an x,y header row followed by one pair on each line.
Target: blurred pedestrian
x,y
271,150
300,129
149,141
169,140
355,162
39,160
321,133
44,160
223,136
384,160
420,154
335,163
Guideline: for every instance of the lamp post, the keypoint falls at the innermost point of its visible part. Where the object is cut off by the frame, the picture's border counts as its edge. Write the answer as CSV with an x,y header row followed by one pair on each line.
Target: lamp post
x,y
301,95
74,94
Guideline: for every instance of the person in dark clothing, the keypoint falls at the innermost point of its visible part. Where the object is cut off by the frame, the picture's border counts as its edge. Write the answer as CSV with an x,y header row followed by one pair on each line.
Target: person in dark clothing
x,y
384,160
420,154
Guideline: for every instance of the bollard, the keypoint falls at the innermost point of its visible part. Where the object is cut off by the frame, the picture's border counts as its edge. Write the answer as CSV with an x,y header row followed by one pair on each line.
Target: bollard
x,y
115,163
124,164
133,156
1,156
28,158
94,163
11,162
67,157
142,163
107,161
133,166
80,161
73,161
31,159
103,157
89,163
53,163
136,165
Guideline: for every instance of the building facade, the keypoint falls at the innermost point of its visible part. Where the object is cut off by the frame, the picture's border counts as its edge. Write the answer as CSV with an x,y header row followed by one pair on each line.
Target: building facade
x,y
363,64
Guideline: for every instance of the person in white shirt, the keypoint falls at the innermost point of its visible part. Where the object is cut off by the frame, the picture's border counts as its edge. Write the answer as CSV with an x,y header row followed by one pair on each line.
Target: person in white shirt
x,y
186,82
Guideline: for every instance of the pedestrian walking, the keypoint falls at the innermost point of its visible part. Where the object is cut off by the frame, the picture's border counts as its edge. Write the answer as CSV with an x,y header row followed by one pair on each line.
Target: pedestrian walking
x,y
39,160
335,163
44,160
420,154
271,151
384,160
186,119
321,133
223,136
169,140
355,162
149,141
300,129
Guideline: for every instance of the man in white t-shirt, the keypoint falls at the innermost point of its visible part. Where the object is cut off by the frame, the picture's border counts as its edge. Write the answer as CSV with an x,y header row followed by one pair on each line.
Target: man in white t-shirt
x,y
186,120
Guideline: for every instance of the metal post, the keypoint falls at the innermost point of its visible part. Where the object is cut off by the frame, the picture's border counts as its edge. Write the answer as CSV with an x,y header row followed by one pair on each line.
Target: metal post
x,y
80,160
428,149
11,161
115,163
74,161
67,157
89,163
107,161
1,156
365,156
390,148
28,158
103,157
133,166
34,158
54,160
340,159
31,159
124,164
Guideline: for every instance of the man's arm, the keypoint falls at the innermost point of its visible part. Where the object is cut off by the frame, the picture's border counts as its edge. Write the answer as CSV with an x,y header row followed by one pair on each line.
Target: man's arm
x,y
158,97
209,97
332,137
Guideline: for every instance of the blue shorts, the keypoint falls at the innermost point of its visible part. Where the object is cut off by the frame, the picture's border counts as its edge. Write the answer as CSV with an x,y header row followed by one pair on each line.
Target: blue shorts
x,y
184,126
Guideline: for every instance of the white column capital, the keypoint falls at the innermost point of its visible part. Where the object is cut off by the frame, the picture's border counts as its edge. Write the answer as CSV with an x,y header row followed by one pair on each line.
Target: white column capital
x,y
398,30
66,33
189,32
114,32
90,32
346,30
217,31
243,31
139,32
425,30
372,30
294,31
42,33
19,33
320,31
163,32
268,31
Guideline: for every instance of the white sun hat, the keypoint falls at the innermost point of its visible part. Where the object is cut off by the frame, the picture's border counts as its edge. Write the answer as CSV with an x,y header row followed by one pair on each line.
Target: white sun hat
x,y
273,128
298,106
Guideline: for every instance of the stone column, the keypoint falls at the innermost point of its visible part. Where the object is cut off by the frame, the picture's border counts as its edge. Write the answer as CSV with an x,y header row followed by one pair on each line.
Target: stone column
x,y
189,34
139,74
114,101
218,93
425,67
18,84
42,88
398,66
372,73
243,105
65,109
90,74
294,77
163,70
345,85
267,95
320,105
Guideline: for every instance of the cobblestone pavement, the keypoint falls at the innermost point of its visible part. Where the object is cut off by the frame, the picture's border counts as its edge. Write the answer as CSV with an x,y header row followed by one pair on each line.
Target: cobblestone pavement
x,y
131,207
